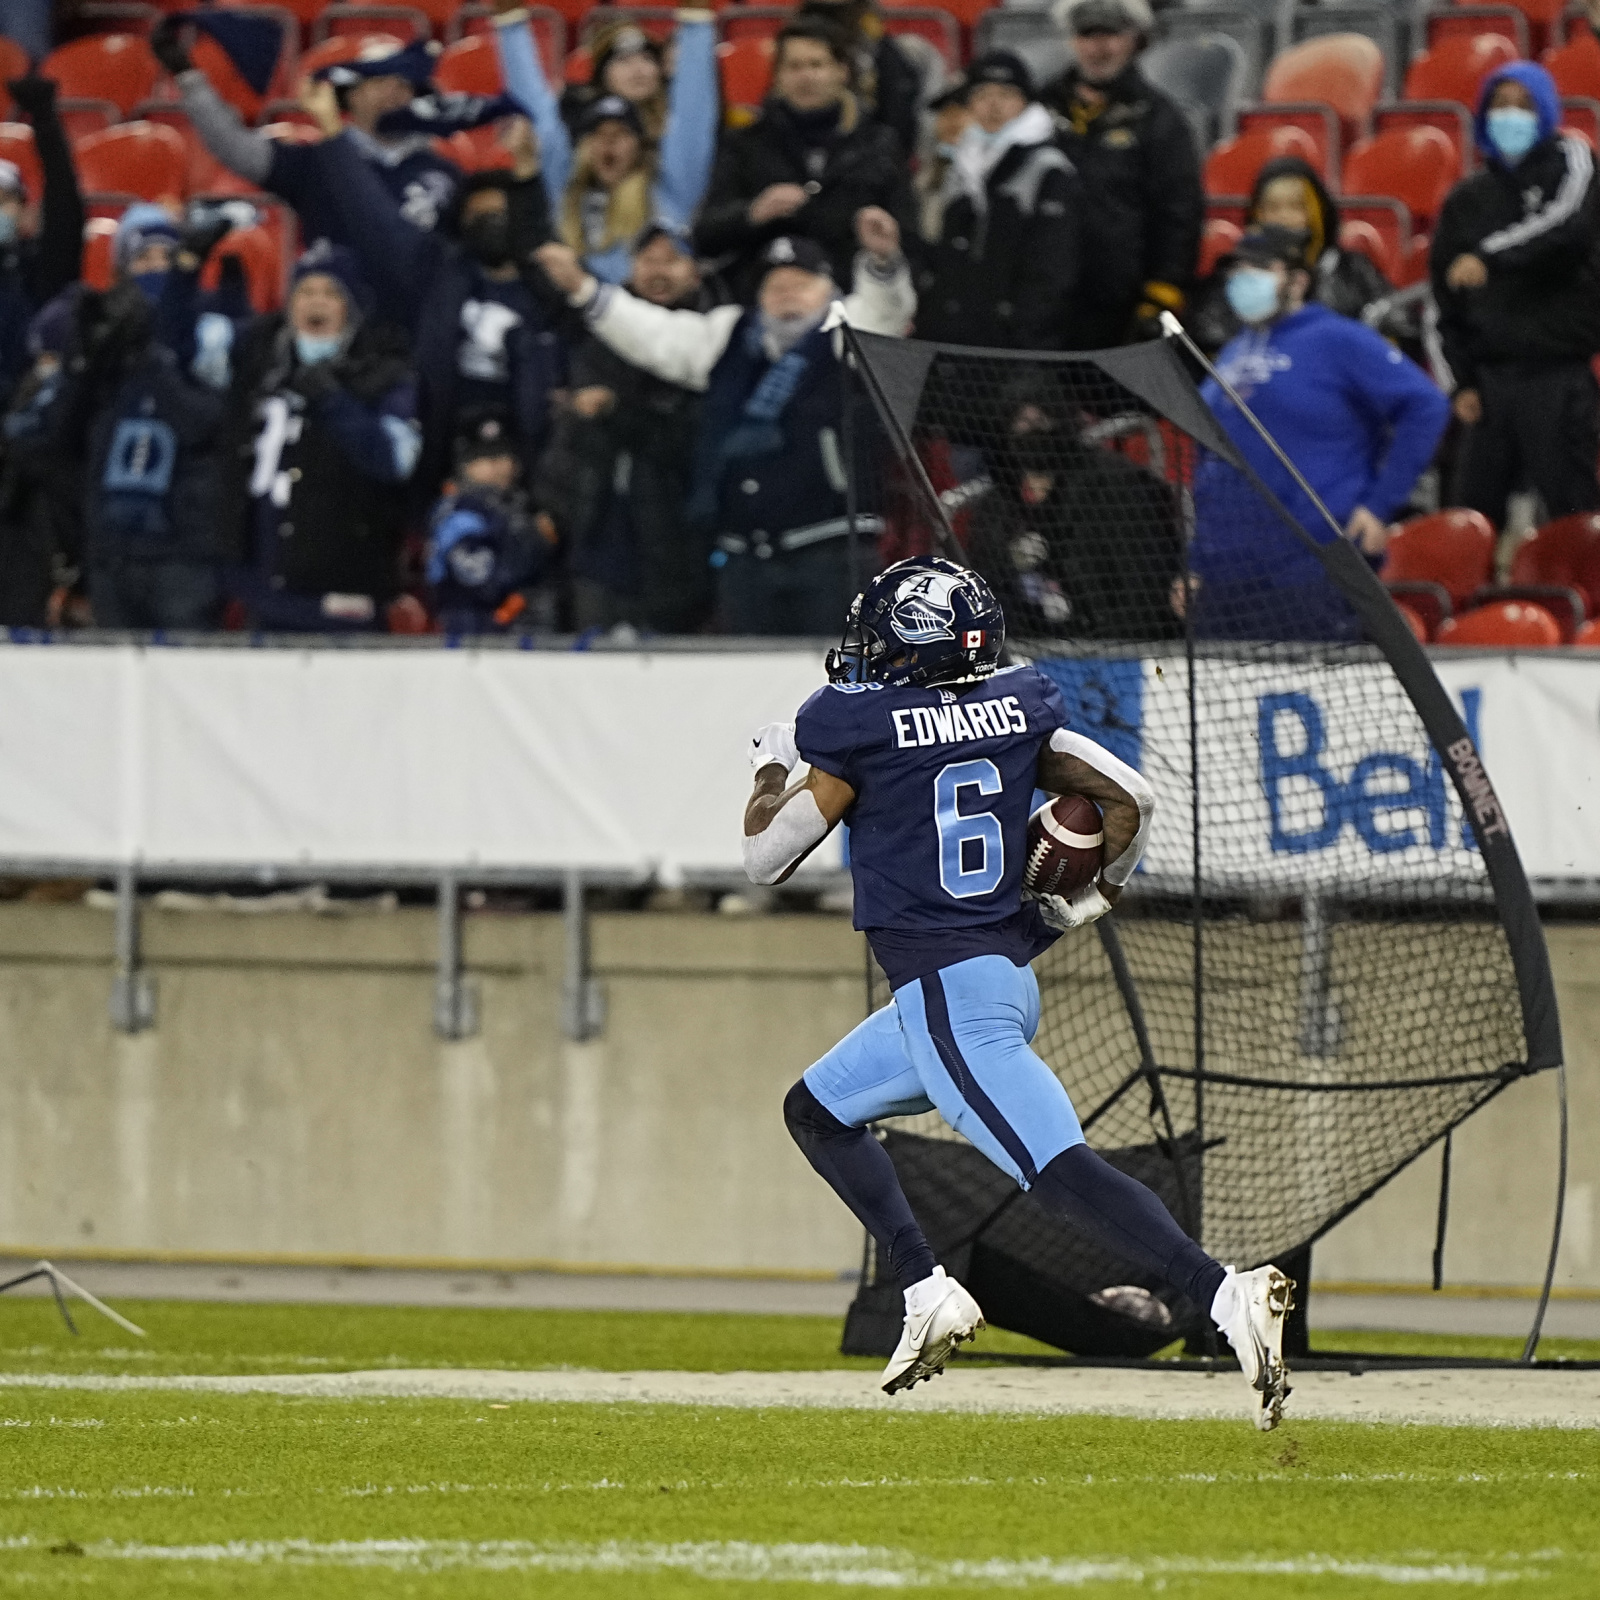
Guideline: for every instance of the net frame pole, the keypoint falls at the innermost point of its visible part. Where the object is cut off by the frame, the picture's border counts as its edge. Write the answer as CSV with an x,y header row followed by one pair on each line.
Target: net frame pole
x,y
944,534
1531,1348
1171,327
847,427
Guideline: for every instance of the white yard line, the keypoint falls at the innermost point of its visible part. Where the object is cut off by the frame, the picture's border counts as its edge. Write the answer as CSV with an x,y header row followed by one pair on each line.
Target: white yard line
x,y
869,1566
1463,1398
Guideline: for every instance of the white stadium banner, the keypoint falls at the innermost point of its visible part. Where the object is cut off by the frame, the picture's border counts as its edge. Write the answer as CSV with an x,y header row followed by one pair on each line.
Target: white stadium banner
x,y
635,763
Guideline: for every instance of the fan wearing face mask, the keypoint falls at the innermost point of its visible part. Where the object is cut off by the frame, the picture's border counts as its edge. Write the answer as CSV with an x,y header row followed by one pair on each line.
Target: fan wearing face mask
x,y
321,439
1516,273
610,178
1358,419
768,484
143,365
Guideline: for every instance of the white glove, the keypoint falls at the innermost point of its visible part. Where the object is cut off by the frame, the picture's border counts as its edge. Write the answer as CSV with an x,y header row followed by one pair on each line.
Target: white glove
x,y
774,745
1086,906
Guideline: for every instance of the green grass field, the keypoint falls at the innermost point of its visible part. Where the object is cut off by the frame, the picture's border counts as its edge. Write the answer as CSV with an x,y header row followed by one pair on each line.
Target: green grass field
x,y
155,1493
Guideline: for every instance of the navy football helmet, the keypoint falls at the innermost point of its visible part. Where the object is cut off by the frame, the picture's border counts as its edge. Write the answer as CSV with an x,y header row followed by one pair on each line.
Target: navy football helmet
x,y
924,621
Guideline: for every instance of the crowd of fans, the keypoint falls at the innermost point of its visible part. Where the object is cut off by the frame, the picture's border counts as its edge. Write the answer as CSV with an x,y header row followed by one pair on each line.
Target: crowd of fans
x,y
599,387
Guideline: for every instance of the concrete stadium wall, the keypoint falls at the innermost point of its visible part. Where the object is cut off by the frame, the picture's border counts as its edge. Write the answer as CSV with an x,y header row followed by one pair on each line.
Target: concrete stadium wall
x,y
294,1101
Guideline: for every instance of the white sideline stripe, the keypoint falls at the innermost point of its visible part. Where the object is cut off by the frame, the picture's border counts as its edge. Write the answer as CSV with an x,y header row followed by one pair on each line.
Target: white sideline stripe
x,y
1503,1398
873,1566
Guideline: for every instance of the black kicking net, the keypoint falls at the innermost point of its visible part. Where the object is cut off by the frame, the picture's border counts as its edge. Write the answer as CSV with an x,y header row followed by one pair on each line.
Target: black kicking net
x,y
1330,956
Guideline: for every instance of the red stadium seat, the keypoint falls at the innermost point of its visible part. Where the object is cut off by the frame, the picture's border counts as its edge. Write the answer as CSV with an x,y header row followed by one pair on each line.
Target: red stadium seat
x,y
1416,260
1582,115
1454,121
104,66
1464,21
145,159
1389,219
1541,14
81,117
966,12
405,22
1219,238
1412,621
1575,65
1232,166
746,68
98,233
475,150
1451,548
1319,122
1429,603
1416,165
1565,551
1360,236
1589,635
580,65
1503,624
1562,601
260,252
1453,67
751,22
472,65
1342,70
17,147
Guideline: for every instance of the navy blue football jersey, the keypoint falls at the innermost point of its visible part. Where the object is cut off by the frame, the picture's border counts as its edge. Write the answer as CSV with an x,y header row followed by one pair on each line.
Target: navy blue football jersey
x,y
938,833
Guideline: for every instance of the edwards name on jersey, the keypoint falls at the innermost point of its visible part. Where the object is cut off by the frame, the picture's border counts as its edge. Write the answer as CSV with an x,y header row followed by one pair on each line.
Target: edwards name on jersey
x,y
944,785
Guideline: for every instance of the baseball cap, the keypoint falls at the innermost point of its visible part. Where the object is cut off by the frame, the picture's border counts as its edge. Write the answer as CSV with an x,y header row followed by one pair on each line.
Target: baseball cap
x,y
1268,246
792,251
610,108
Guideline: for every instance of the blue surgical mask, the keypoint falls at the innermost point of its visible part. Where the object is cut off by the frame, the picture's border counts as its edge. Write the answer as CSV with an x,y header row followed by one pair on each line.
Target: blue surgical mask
x,y
8,228
1513,131
312,347
1253,294
151,285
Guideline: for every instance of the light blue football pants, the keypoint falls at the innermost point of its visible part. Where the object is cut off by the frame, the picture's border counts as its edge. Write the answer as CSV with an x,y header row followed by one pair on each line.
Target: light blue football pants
x,y
957,1041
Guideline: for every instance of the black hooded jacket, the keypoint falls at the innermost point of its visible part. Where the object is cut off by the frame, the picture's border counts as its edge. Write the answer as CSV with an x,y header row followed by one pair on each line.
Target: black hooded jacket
x,y
1143,202
1537,229
1346,281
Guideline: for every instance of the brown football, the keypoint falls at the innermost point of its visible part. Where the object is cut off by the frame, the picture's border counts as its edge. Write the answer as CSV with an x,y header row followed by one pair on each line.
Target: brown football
x,y
1066,846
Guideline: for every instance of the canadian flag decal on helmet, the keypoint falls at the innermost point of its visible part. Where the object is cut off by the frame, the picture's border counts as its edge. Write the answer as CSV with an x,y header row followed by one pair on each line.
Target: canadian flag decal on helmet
x,y
972,640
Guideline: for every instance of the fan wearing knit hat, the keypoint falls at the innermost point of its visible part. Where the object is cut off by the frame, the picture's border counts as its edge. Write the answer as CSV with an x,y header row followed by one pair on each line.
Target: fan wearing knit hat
x,y
1135,155
619,169
1006,259
322,438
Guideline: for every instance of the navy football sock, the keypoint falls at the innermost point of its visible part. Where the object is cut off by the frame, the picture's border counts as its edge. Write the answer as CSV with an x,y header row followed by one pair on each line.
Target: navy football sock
x,y
860,1172
1127,1218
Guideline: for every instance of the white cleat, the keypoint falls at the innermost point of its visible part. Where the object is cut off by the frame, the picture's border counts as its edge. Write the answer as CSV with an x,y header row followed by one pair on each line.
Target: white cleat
x,y
1250,1309
940,1314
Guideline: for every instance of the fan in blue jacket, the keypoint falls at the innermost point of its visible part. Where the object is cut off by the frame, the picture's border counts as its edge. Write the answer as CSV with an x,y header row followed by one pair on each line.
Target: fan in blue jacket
x,y
609,187
1358,419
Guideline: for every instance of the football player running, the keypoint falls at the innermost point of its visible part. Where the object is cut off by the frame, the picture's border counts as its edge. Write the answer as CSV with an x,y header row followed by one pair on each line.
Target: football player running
x,y
932,753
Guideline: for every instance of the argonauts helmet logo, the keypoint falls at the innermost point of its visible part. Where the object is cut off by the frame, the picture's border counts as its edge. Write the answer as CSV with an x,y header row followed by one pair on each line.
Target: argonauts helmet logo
x,y
922,611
